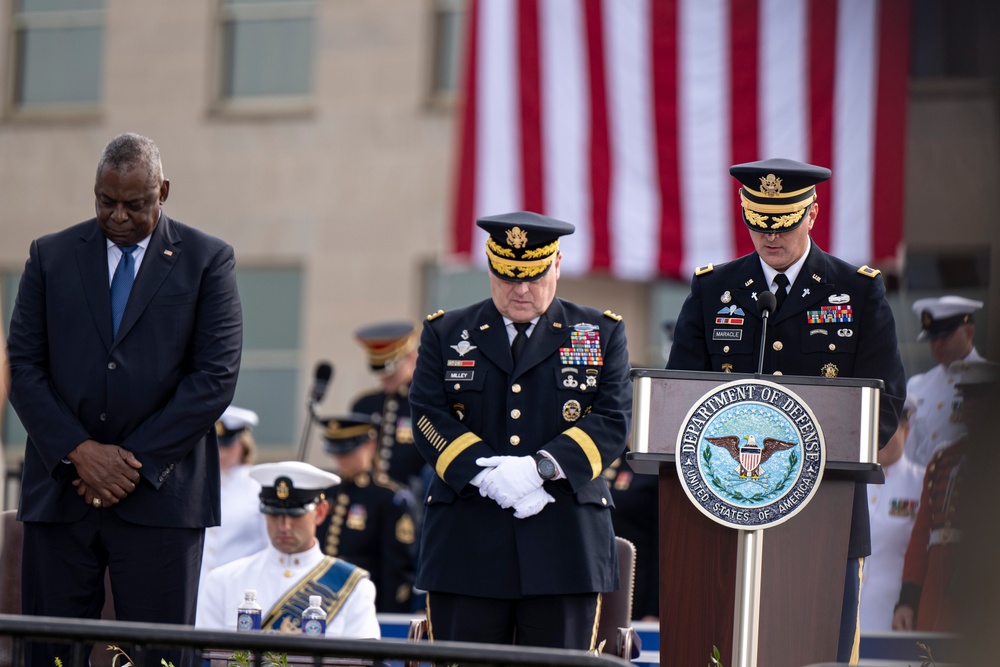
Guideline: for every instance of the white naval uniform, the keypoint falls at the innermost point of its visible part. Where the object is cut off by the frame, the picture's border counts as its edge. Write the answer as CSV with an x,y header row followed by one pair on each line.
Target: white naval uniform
x,y
935,424
271,573
893,509
243,530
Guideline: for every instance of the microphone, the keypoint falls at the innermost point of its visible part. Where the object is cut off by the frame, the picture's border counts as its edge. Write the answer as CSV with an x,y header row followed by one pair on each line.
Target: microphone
x,y
767,302
323,375
321,380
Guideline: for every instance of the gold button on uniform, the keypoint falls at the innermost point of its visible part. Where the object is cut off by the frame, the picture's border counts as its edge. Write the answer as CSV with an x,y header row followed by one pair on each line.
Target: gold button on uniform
x,y
515,413
777,345
725,349
777,372
832,347
516,388
515,440
457,386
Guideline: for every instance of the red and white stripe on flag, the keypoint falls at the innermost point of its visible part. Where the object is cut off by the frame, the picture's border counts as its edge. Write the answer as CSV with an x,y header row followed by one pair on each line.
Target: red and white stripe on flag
x,y
624,116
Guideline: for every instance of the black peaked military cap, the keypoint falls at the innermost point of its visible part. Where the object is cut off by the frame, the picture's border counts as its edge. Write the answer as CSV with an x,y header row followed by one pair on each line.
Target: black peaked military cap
x,y
522,245
291,487
346,433
386,343
776,193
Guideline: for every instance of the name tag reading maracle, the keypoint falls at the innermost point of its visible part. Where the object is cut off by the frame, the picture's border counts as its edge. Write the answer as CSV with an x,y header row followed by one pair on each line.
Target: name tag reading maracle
x,y
727,334
459,376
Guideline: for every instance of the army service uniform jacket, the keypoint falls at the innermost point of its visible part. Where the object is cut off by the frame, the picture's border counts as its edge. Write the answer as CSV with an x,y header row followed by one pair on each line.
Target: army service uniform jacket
x,y
371,525
396,456
835,322
570,394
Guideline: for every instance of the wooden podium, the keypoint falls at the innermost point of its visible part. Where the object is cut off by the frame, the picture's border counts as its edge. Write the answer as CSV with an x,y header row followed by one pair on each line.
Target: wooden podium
x,y
710,572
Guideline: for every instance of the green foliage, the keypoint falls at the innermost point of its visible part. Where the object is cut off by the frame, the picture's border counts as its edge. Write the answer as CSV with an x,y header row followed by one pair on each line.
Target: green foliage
x,y
715,660
268,659
927,656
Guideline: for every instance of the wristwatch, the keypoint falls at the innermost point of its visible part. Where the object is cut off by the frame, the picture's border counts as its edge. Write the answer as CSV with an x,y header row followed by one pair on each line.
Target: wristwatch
x,y
545,467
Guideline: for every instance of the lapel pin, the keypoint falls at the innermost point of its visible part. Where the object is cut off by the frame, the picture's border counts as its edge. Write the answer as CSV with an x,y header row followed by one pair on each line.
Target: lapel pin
x,y
168,253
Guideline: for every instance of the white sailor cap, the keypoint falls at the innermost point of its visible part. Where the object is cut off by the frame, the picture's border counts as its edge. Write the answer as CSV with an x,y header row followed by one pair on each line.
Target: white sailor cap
x,y
940,316
233,422
291,487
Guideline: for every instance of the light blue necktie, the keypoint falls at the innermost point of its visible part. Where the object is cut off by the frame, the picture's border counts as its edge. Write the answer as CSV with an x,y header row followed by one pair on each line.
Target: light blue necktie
x,y
121,285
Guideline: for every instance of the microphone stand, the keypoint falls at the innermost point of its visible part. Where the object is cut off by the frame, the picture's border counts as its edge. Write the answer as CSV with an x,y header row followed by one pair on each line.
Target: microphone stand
x,y
765,316
307,430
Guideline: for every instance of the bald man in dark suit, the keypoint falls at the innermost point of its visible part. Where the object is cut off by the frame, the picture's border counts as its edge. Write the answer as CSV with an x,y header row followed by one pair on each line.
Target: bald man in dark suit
x,y
124,349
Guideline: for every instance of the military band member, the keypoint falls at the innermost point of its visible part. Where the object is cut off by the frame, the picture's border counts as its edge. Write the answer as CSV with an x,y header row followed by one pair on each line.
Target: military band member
x,y
519,403
292,567
370,523
947,324
832,319
391,348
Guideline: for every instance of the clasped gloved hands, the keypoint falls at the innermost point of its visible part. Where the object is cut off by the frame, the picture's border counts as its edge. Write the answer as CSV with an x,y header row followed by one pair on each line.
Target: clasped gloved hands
x,y
513,481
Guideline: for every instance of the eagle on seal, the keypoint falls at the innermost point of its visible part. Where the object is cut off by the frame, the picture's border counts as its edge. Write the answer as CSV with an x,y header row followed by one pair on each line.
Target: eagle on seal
x,y
750,456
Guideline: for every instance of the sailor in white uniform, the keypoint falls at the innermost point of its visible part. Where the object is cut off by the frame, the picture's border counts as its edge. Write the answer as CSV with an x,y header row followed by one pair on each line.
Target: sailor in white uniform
x,y
292,567
947,323
242,530
893,509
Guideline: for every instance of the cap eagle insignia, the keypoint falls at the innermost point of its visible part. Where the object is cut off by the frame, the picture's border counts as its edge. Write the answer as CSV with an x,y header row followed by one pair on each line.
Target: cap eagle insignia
x,y
517,237
770,185
750,456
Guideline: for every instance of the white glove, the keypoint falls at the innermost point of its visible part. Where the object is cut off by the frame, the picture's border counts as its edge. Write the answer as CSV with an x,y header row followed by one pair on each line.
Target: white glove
x,y
509,479
532,503
478,479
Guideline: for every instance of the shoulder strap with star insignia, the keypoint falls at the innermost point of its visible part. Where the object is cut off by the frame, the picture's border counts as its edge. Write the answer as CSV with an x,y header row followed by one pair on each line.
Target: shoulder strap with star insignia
x,y
702,270
615,317
434,316
868,271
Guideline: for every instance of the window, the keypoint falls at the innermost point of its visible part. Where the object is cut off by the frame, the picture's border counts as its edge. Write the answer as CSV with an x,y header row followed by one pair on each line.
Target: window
x,y
448,41
269,382
57,48
266,52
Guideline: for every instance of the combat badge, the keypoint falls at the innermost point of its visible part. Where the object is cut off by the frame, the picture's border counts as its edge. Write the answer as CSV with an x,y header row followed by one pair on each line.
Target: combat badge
x,y
829,371
463,347
571,410
838,299
750,454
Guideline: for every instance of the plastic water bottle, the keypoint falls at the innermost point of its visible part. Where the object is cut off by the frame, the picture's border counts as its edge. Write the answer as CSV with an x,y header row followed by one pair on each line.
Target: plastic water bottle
x,y
248,615
314,618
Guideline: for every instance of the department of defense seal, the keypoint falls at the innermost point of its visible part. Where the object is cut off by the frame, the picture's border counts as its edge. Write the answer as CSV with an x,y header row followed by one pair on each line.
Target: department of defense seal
x,y
750,454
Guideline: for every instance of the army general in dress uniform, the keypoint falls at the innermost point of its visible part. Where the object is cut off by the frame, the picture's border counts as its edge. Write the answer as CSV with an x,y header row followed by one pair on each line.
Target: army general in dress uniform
x,y
832,319
370,523
519,403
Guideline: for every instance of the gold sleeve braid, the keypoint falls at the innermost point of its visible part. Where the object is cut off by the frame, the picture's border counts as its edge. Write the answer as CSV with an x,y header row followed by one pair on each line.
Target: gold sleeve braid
x,y
580,437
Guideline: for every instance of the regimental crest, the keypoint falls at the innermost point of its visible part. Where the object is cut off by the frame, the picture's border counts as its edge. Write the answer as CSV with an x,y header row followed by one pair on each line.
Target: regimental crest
x,y
750,454
517,237
770,185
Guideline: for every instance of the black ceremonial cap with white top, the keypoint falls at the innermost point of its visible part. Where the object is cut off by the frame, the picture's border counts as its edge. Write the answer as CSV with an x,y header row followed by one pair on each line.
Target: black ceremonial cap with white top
x,y
775,193
291,487
522,245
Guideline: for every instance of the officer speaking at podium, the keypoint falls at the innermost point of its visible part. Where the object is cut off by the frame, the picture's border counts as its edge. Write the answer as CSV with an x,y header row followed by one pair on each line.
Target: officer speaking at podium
x,y
831,319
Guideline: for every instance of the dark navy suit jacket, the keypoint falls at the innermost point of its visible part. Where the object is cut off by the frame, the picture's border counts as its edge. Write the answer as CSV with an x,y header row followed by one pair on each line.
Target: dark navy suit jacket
x,y
468,399
155,390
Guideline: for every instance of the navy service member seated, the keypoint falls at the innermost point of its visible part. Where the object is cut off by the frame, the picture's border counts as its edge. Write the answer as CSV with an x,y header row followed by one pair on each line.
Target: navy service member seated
x,y
292,567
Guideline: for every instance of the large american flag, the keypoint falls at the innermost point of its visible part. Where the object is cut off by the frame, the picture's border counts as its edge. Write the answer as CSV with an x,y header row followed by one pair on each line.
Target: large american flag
x,y
623,117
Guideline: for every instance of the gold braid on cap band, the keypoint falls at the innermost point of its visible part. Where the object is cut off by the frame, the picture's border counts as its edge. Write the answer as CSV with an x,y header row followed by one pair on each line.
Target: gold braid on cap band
x,y
498,249
775,208
335,432
780,221
516,269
